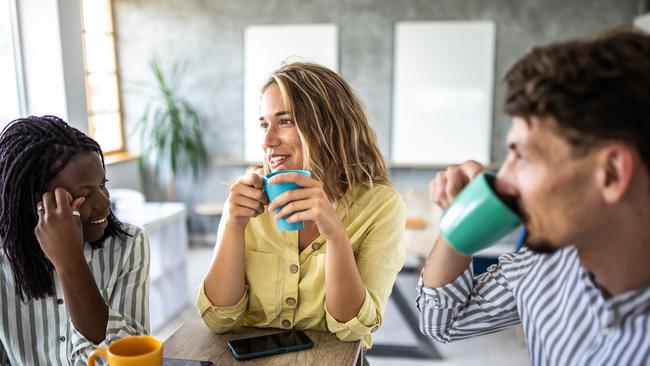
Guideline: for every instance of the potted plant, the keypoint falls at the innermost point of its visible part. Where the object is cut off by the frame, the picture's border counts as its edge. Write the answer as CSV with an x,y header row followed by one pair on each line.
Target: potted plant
x,y
171,130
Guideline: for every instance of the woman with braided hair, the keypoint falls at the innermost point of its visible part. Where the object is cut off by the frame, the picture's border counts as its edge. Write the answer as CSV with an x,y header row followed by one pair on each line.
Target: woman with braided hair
x,y
72,277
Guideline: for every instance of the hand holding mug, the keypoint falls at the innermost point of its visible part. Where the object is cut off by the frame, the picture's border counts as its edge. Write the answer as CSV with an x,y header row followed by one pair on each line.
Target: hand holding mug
x,y
246,199
446,185
476,217
309,203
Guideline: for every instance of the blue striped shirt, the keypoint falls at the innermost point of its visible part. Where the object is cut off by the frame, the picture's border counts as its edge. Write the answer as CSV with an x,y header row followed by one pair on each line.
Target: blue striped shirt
x,y
40,332
566,319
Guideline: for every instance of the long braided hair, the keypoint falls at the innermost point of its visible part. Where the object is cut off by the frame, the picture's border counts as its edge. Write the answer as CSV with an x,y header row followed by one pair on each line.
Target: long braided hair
x,y
33,151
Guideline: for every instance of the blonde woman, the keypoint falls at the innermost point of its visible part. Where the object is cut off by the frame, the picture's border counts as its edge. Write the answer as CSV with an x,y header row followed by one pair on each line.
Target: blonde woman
x,y
335,274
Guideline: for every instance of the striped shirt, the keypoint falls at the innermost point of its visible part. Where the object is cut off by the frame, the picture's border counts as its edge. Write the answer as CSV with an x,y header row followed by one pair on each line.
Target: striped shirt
x,y
565,317
40,332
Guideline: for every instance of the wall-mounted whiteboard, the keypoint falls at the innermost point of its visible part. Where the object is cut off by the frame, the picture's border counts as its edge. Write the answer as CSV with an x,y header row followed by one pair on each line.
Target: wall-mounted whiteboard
x,y
266,48
443,87
643,22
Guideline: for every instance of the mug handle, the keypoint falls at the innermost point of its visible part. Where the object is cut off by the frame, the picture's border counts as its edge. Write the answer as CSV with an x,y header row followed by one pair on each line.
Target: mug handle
x,y
97,352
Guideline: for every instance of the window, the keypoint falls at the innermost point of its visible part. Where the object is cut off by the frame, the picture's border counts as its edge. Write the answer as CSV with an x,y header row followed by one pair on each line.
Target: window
x,y
10,90
102,88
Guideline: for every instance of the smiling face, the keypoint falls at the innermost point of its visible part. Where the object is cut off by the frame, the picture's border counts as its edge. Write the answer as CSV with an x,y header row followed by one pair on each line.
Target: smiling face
x,y
556,191
282,144
84,176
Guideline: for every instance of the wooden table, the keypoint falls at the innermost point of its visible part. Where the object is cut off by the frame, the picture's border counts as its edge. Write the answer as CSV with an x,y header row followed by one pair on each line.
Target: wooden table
x,y
194,341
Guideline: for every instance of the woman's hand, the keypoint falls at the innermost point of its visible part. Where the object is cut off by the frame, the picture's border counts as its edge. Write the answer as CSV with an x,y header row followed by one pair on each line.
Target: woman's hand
x,y
310,203
59,230
446,185
246,199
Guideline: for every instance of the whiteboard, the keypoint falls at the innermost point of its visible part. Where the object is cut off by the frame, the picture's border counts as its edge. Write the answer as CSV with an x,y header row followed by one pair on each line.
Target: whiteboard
x,y
643,22
443,87
266,48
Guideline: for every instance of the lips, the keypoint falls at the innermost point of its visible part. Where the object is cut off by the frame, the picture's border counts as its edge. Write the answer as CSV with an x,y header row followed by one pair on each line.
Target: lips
x,y
98,221
276,160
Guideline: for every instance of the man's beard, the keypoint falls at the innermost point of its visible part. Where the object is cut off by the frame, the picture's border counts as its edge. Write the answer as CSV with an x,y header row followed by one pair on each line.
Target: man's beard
x,y
536,245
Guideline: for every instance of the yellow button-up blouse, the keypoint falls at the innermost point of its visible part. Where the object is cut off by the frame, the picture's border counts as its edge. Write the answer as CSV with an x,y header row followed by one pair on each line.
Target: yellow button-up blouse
x,y
286,288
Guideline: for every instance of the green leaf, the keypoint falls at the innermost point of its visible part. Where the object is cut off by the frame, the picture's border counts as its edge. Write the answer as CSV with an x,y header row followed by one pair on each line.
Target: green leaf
x,y
170,128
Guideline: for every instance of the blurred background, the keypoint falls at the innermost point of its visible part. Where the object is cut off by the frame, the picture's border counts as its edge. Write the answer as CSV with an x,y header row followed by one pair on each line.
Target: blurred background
x,y
169,89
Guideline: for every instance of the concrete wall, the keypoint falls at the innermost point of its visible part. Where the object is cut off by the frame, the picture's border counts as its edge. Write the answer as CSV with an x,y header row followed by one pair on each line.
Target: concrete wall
x,y
209,35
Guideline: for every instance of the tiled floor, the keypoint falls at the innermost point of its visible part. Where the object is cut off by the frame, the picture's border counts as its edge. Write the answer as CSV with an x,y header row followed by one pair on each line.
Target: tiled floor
x,y
502,349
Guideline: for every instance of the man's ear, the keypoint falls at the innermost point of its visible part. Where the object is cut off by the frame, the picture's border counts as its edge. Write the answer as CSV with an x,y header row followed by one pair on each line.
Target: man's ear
x,y
617,164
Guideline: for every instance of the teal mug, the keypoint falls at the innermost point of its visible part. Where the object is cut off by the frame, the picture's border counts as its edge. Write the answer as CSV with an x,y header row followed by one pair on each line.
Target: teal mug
x,y
477,217
274,190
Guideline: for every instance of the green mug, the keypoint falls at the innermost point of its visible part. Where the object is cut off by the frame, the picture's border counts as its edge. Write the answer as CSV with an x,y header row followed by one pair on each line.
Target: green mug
x,y
478,217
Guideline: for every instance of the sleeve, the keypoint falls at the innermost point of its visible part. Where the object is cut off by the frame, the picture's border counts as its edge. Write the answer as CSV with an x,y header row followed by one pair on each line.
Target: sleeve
x,y
128,304
471,306
4,359
220,319
379,258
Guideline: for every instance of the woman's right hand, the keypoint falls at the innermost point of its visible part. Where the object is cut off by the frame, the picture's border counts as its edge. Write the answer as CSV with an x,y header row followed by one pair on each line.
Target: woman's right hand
x,y
246,199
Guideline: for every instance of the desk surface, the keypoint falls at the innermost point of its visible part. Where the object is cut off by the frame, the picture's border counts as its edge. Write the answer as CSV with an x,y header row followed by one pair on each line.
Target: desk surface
x,y
194,341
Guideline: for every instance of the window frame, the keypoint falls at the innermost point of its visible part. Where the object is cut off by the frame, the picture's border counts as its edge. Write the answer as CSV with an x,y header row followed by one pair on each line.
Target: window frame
x,y
17,55
121,150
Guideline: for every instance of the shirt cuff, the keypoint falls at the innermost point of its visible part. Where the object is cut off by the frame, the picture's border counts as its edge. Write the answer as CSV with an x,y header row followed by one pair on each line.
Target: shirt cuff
x,y
220,317
116,328
449,296
363,324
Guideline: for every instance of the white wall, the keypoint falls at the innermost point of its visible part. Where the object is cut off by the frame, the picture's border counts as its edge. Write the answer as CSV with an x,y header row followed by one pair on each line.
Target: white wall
x,y
124,174
73,63
643,22
53,59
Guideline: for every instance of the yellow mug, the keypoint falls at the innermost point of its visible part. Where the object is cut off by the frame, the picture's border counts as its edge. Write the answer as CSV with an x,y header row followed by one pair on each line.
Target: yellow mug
x,y
131,351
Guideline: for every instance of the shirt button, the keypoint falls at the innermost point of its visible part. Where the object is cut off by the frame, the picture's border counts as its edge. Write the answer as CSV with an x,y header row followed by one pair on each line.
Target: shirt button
x,y
62,339
291,301
315,246
374,329
59,301
286,323
293,268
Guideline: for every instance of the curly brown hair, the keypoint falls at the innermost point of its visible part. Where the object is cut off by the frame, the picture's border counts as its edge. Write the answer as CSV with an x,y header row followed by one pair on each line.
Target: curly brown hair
x,y
595,89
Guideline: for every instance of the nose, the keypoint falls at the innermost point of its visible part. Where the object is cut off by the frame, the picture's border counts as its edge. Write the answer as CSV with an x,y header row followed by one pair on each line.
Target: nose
x,y
506,183
271,138
102,201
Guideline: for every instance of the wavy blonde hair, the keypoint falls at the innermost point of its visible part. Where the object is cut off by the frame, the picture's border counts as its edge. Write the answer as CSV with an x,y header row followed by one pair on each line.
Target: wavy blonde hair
x,y
340,147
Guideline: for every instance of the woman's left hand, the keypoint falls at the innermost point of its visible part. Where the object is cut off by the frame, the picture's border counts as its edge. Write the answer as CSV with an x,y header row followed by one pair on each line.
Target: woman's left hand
x,y
309,203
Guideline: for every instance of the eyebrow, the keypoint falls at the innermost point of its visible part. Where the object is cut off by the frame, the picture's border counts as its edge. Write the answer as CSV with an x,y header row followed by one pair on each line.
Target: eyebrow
x,y
277,114
88,186
529,149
